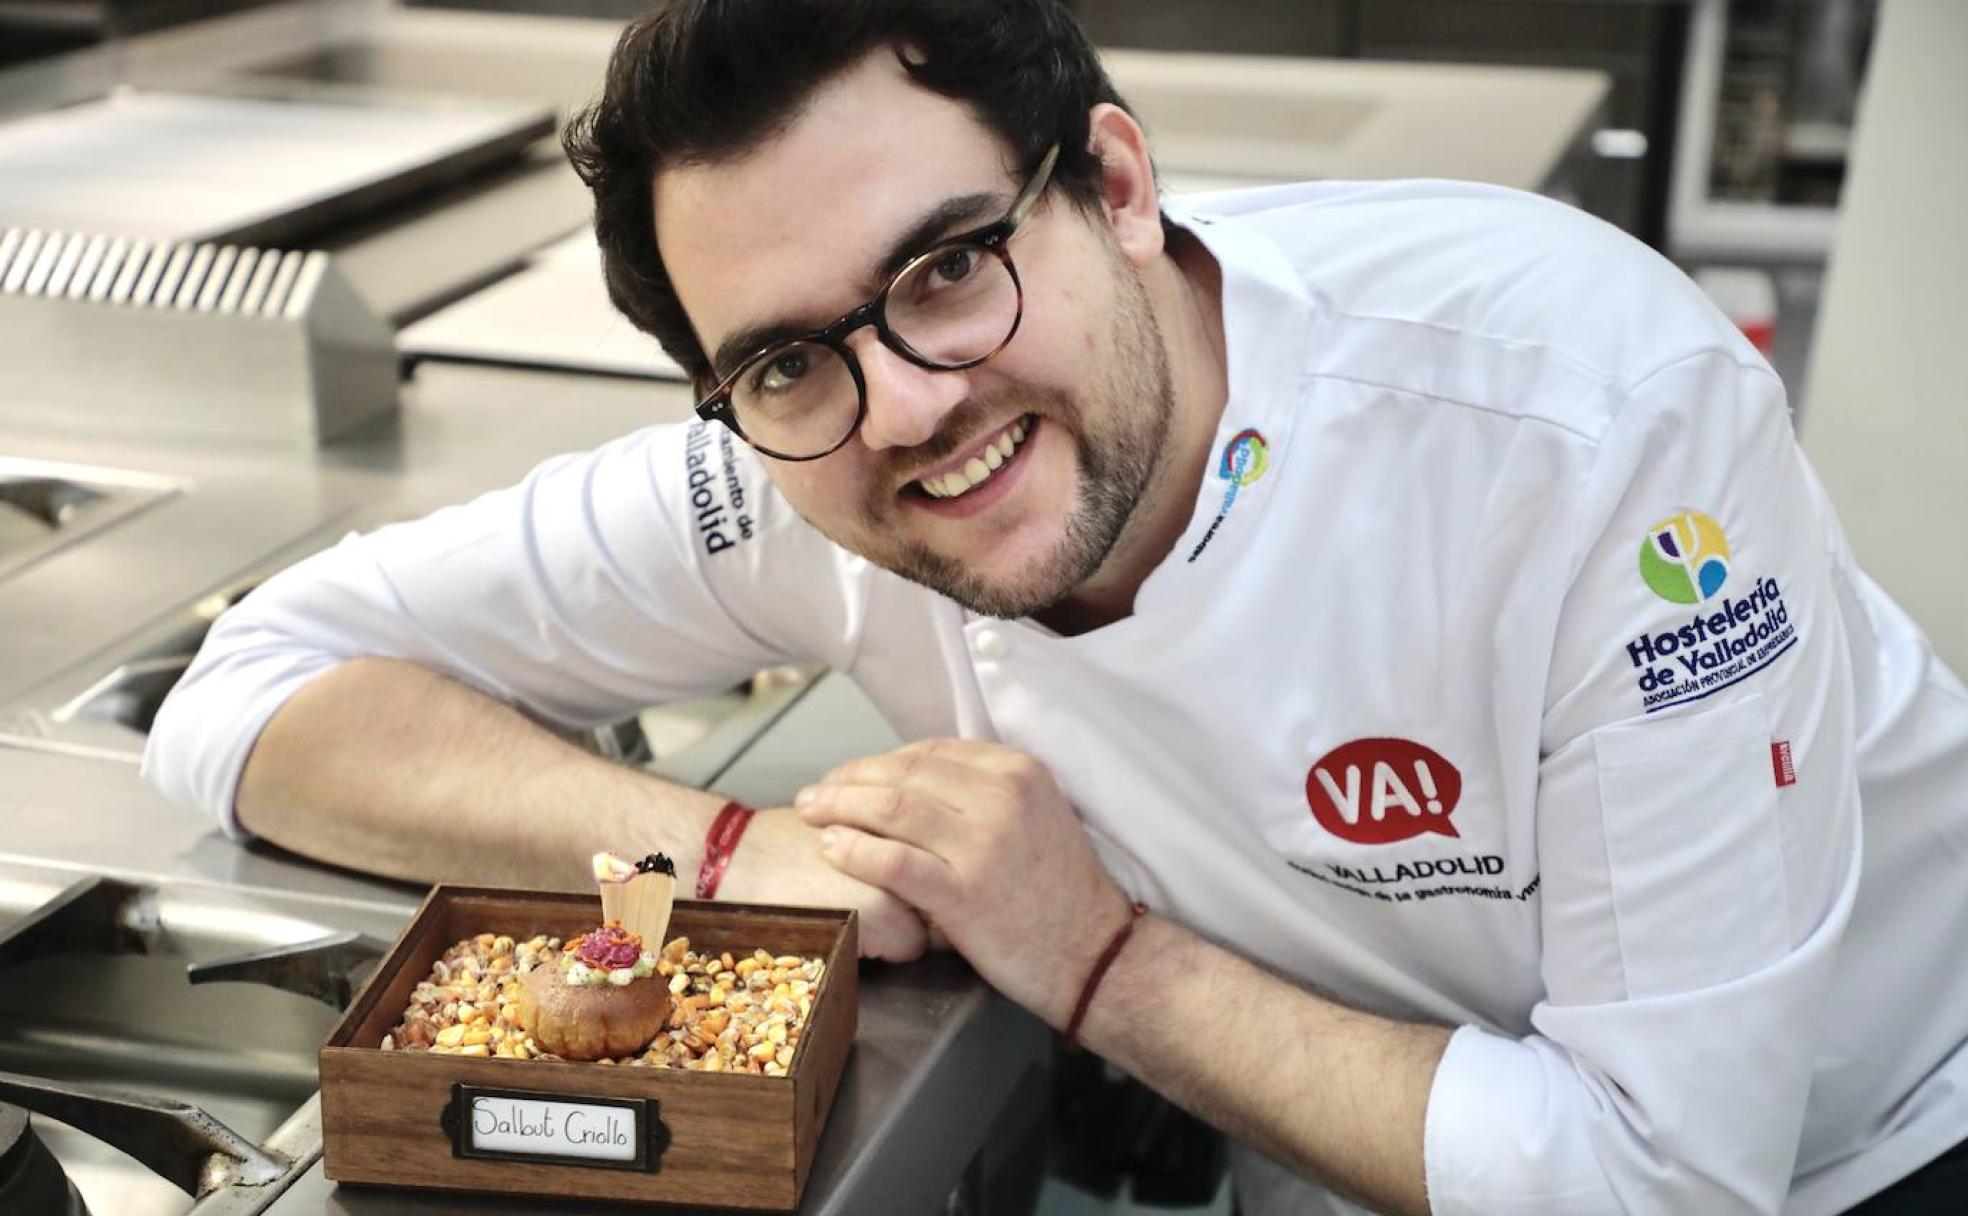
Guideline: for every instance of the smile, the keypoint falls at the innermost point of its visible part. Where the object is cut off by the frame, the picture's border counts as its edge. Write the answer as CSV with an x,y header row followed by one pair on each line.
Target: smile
x,y
979,468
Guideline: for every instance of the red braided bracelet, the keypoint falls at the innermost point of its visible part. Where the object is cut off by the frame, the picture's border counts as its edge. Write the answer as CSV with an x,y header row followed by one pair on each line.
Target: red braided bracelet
x,y
719,844
1135,912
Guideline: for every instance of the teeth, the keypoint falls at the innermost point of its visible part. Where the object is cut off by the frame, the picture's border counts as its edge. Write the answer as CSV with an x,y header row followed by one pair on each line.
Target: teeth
x,y
978,468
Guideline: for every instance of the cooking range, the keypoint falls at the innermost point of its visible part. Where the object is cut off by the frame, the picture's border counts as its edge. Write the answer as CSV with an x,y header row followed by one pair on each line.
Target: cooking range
x,y
157,1041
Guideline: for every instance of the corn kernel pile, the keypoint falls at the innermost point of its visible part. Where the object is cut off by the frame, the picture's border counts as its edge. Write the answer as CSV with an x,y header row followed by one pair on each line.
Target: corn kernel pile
x,y
727,1014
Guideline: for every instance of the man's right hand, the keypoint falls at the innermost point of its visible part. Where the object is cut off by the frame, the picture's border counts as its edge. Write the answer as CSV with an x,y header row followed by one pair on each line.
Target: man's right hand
x,y
778,862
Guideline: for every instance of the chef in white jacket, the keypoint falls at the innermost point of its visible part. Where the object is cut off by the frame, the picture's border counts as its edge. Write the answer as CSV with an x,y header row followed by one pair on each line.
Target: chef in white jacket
x,y
1382,672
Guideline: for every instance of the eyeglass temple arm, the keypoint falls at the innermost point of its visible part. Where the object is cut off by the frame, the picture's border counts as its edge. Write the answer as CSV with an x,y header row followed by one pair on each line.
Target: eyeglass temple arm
x,y
1034,188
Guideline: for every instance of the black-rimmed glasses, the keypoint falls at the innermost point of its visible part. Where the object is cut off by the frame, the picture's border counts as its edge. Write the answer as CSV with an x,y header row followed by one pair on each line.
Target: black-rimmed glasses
x,y
949,308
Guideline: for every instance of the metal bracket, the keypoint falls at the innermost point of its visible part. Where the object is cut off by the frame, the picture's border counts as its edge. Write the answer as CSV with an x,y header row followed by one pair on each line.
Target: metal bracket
x,y
93,916
328,969
179,1142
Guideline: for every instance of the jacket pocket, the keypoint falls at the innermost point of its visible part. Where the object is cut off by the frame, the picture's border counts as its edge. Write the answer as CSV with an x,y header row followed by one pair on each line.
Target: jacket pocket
x,y
1694,847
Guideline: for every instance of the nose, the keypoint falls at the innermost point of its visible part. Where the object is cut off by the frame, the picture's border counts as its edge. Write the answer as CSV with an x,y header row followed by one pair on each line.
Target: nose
x,y
906,403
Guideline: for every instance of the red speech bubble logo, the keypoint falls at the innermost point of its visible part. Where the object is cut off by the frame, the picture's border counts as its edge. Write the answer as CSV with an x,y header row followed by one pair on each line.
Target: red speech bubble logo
x,y
1378,791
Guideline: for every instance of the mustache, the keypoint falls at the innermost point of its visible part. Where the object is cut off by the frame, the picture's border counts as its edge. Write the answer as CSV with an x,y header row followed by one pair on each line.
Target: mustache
x,y
961,426
970,420
967,422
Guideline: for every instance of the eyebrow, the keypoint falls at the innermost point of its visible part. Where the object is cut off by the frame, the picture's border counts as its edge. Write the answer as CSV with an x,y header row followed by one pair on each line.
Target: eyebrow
x,y
936,224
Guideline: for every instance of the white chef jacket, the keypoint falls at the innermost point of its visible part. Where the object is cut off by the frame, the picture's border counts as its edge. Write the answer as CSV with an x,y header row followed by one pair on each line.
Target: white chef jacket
x,y
1512,673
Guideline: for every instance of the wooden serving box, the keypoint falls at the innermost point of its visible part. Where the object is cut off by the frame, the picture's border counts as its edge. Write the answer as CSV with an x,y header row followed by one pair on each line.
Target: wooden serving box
x,y
715,1139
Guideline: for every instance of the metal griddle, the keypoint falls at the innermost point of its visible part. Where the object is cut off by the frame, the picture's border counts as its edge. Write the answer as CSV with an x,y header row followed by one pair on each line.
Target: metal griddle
x,y
260,168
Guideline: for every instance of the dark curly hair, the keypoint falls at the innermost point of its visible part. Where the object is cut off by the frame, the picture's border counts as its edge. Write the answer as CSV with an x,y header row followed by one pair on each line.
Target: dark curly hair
x,y
700,81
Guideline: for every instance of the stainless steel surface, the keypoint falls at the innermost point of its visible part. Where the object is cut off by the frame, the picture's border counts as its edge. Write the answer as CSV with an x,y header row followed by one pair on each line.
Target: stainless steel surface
x,y
45,506
306,362
297,1141
554,312
108,714
89,916
1248,119
451,244
695,742
329,969
31,1180
424,250
464,430
377,45
101,1030
829,725
535,57
269,168
179,1142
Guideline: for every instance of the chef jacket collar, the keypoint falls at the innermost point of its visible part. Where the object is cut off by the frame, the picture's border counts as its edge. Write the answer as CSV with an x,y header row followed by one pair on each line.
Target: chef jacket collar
x,y
1267,331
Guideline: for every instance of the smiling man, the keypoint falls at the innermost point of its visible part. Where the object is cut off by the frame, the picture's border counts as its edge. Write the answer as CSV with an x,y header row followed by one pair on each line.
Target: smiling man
x,y
1010,442
1381,671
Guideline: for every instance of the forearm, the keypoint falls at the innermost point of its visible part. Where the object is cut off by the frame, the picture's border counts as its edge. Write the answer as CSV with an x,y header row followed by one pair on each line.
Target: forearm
x,y
386,767
1328,1091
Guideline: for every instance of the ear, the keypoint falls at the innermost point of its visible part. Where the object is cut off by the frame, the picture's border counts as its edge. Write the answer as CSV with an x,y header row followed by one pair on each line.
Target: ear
x,y
1127,182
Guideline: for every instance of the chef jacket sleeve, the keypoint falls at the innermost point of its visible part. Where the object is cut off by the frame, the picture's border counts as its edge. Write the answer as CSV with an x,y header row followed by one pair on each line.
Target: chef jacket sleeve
x,y
1697,829
605,582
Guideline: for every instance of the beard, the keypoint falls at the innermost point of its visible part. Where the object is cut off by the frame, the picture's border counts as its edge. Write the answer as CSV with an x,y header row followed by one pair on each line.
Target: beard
x,y
1118,429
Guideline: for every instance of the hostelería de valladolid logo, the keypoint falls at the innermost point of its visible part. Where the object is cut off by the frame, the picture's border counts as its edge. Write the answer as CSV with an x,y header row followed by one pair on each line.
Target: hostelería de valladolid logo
x,y
1685,559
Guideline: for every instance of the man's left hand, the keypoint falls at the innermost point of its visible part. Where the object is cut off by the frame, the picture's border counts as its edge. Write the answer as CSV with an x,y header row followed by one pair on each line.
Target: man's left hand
x,y
979,838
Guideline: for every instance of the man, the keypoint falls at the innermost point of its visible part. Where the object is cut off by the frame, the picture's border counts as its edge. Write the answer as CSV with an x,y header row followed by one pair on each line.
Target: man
x,y
1409,593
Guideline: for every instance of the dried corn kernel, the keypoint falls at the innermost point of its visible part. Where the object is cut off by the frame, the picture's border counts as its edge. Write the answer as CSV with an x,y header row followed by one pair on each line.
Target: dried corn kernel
x,y
730,1014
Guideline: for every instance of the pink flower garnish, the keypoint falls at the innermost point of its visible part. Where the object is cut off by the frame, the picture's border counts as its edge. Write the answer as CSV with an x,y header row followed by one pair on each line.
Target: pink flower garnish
x,y
607,948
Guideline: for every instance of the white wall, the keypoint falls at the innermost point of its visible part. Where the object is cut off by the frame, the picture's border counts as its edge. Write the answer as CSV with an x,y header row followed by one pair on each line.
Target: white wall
x,y
1887,421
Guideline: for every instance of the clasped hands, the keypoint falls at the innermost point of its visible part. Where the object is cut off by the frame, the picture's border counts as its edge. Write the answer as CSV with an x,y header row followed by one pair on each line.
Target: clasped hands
x,y
978,838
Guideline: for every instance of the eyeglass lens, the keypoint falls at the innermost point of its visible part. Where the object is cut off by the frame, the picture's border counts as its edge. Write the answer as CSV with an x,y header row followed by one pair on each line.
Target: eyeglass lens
x,y
953,306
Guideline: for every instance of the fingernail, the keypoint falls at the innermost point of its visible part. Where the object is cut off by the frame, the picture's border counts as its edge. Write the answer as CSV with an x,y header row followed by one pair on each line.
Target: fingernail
x,y
830,840
805,796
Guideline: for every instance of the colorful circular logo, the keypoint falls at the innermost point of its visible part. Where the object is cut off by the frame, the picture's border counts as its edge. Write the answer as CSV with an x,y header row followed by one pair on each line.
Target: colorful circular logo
x,y
1685,558
1244,458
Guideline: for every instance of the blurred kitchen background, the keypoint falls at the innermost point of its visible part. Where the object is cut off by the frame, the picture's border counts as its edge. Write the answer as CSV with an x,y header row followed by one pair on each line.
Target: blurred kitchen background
x,y
272,272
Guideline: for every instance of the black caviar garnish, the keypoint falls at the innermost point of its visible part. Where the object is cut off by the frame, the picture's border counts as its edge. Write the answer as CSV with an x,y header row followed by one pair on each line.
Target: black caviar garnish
x,y
656,863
